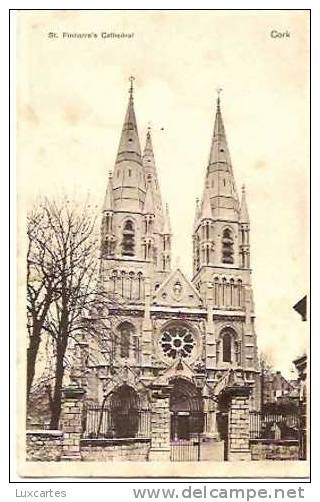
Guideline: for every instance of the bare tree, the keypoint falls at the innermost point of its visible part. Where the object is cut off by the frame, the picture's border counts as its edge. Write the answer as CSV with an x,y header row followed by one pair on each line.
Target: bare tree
x,y
42,282
62,268
75,247
65,297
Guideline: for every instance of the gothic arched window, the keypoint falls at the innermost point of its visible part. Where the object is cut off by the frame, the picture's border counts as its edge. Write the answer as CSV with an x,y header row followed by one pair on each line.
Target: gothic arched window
x,y
216,291
226,347
128,239
130,291
232,302
140,284
227,246
126,334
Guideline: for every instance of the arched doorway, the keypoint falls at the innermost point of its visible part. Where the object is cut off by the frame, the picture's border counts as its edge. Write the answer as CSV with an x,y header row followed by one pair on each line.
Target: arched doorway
x,y
186,408
124,406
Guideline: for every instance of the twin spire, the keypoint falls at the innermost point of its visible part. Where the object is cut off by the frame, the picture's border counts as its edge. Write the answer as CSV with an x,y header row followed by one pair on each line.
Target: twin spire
x,y
134,185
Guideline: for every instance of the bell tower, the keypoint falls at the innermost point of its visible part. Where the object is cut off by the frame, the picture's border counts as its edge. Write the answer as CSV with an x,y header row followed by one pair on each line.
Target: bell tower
x,y
221,264
135,230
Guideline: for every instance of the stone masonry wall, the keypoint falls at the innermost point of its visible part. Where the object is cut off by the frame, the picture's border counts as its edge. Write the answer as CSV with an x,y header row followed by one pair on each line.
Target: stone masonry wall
x,y
160,427
44,445
270,449
70,422
239,423
118,450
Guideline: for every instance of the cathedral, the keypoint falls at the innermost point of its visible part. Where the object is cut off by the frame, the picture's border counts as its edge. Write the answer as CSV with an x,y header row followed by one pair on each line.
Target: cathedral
x,y
191,336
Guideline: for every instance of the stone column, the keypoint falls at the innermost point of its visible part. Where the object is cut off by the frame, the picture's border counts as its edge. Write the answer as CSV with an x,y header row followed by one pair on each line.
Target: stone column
x,y
147,327
160,423
211,352
237,399
71,422
211,413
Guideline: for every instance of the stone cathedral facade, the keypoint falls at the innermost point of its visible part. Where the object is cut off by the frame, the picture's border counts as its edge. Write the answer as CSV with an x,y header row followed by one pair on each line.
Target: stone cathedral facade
x,y
190,336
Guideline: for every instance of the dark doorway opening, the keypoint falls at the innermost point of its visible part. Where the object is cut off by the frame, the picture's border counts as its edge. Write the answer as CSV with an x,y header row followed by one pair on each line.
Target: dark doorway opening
x,y
186,408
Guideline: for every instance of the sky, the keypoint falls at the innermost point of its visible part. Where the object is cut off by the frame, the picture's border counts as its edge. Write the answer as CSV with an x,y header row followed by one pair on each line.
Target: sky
x,y
72,97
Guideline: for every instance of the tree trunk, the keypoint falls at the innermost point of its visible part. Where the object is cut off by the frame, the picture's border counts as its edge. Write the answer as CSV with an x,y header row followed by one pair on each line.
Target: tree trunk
x,y
57,393
32,356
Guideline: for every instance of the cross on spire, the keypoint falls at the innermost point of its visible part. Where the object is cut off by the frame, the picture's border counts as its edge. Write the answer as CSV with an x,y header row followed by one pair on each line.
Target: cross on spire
x,y
219,91
132,79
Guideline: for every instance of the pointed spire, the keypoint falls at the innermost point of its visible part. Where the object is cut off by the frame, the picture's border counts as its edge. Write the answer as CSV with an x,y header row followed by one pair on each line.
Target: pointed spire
x,y
197,214
108,199
219,153
129,186
206,212
129,147
132,79
219,177
166,225
150,173
148,207
148,149
244,214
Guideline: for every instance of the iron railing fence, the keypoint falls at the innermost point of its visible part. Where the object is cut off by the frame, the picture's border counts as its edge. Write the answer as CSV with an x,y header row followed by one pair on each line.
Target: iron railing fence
x,y
182,450
100,422
274,425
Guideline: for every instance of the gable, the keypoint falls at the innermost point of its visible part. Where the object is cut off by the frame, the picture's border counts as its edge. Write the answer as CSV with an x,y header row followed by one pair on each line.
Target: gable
x,y
177,291
179,369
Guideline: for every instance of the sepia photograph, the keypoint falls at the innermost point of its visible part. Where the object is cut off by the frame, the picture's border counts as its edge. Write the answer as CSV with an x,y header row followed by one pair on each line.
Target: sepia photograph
x,y
162,251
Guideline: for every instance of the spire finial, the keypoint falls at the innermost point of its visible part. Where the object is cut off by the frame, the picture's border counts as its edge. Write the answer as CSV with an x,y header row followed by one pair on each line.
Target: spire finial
x,y
244,215
219,91
131,86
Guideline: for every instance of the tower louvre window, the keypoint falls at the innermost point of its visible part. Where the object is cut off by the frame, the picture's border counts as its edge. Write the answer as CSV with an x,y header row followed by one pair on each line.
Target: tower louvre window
x,y
128,239
226,347
207,250
207,230
227,246
140,285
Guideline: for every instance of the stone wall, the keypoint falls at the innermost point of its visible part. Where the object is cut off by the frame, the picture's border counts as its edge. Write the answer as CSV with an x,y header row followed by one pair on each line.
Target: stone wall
x,y
238,423
160,425
44,445
70,422
272,449
118,450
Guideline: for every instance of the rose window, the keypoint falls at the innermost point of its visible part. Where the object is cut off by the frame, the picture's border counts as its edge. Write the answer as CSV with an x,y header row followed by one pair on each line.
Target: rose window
x,y
177,341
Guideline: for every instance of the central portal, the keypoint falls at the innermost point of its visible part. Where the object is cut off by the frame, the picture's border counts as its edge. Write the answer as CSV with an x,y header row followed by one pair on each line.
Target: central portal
x,y
186,408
